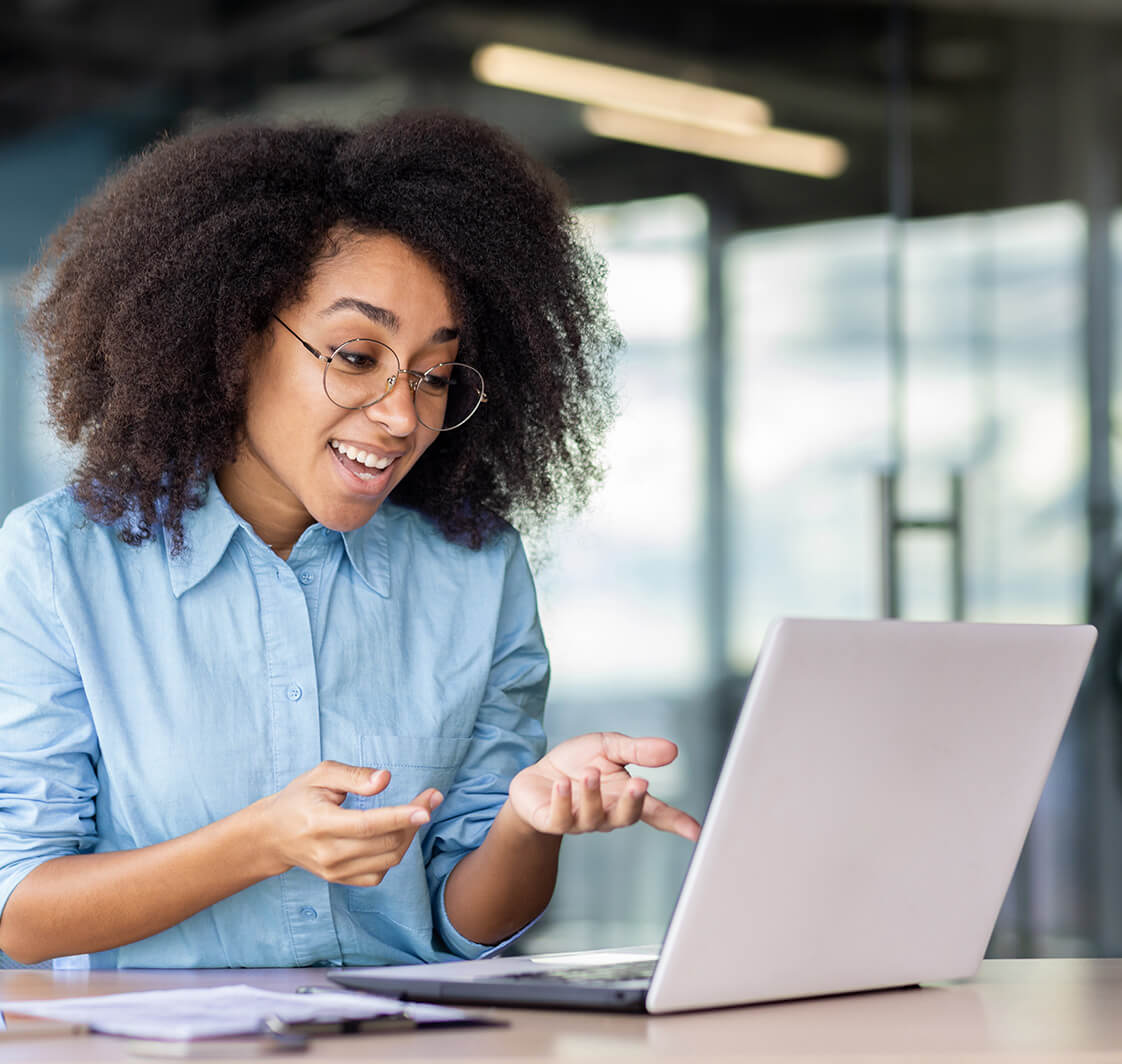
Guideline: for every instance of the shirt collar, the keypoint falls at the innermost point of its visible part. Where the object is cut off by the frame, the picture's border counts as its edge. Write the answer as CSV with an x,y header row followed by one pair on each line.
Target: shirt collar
x,y
209,529
368,548
207,532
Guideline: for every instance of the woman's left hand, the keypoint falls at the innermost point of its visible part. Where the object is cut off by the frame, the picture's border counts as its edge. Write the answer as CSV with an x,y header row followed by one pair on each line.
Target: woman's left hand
x,y
583,785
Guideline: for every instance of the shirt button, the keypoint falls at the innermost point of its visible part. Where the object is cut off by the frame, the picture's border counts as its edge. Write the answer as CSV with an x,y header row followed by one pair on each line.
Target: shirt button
x,y
308,913
306,578
295,693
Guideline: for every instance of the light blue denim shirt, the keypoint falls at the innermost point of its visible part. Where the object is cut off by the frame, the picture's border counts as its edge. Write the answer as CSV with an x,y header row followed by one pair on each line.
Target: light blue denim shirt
x,y
143,696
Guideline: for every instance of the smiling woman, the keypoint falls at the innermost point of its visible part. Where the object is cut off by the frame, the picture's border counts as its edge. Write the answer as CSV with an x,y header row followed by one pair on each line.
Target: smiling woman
x,y
161,291
299,460
271,672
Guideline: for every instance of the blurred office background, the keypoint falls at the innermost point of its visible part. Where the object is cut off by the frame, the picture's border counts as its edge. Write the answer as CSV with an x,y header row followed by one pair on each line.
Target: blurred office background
x,y
869,304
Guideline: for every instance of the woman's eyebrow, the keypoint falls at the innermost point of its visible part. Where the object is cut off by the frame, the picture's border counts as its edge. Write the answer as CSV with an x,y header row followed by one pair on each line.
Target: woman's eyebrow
x,y
386,318
378,315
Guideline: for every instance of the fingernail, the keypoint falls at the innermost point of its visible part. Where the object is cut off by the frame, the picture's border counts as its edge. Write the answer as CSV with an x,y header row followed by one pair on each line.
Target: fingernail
x,y
419,817
592,780
564,787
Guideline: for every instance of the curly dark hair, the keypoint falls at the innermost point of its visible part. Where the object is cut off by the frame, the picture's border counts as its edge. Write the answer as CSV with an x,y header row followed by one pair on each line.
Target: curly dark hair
x,y
146,302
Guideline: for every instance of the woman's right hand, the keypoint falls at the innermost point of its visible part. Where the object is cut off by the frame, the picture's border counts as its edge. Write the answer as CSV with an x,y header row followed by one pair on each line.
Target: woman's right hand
x,y
305,827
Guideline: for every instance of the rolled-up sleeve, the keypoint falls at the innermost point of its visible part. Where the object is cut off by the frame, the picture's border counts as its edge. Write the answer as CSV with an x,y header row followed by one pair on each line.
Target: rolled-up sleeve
x,y
508,735
48,744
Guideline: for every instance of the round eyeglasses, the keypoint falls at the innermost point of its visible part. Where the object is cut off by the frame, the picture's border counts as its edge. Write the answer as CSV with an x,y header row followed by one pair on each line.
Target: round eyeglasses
x,y
362,372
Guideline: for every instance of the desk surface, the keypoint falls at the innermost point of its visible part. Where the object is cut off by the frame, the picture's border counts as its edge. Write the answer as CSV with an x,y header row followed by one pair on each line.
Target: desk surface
x,y
1038,1010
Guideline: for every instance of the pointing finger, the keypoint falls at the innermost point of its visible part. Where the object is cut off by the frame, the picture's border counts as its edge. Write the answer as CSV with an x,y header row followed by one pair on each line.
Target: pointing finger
x,y
666,818
371,822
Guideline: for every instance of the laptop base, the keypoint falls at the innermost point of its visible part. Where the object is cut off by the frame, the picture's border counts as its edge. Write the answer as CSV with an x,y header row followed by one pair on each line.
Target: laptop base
x,y
497,991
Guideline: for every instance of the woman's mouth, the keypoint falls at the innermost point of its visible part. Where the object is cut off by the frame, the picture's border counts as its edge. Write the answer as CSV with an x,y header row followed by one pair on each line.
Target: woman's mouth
x,y
364,466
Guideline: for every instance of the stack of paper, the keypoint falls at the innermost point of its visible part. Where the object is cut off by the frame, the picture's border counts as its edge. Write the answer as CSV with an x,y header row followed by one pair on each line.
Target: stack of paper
x,y
220,1011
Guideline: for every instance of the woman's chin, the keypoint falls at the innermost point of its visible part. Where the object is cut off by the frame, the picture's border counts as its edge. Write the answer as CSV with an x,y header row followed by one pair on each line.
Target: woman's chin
x,y
347,518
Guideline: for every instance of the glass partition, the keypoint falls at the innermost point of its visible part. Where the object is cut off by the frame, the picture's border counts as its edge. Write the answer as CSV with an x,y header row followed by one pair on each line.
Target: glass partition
x,y
621,587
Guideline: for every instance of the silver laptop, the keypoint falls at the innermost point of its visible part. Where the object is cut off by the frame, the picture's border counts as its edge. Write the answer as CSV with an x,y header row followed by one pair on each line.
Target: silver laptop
x,y
862,834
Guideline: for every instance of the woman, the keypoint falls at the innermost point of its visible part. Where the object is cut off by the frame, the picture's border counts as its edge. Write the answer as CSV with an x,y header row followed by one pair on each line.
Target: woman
x,y
253,710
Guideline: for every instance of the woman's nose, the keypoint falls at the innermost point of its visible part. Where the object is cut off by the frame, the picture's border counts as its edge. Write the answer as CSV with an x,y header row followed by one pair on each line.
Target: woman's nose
x,y
396,412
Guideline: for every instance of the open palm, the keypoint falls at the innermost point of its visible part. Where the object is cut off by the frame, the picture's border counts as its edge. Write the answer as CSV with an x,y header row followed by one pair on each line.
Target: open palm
x,y
583,785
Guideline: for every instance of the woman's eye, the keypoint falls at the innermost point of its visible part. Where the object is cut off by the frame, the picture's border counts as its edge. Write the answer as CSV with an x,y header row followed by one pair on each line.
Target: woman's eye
x,y
356,360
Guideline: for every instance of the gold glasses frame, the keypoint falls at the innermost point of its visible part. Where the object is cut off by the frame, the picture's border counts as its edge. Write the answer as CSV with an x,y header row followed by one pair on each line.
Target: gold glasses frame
x,y
412,377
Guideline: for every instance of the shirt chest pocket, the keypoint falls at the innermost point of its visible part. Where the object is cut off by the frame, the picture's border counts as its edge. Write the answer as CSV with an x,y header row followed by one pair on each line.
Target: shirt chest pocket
x,y
415,763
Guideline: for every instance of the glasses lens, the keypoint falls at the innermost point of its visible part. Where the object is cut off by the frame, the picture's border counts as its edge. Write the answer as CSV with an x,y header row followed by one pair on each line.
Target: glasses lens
x,y
360,373
447,395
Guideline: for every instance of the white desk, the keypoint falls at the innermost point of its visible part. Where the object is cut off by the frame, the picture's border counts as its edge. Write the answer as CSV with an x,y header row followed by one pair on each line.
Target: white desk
x,y
1026,1010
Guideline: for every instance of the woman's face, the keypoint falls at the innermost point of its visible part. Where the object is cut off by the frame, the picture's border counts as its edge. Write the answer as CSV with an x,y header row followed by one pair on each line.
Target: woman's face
x,y
292,469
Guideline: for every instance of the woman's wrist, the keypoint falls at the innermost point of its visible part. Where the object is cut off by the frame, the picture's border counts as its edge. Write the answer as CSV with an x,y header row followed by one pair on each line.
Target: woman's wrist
x,y
258,839
519,831
505,883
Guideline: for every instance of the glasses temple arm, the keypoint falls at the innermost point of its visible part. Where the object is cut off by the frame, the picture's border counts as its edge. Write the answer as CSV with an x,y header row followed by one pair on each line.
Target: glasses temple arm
x,y
307,346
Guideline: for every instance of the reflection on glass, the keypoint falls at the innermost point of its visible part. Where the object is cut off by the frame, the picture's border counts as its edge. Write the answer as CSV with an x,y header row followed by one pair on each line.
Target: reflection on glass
x,y
991,388
810,393
621,588
621,594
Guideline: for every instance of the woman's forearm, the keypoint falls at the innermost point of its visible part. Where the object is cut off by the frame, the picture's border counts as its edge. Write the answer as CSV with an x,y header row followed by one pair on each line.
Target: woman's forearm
x,y
504,884
89,902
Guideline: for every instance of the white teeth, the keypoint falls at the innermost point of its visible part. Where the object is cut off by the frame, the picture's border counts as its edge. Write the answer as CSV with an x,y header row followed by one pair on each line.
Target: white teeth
x,y
371,461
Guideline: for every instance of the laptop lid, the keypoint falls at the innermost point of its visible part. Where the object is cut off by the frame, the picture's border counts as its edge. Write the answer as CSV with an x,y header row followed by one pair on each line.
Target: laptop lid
x,y
873,803
868,817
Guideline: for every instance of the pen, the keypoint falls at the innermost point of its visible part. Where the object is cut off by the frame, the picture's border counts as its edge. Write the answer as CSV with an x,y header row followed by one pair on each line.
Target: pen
x,y
392,1021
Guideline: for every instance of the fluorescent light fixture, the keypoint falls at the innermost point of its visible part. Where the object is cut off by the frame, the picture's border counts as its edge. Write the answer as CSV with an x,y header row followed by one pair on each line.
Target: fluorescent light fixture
x,y
582,81
771,147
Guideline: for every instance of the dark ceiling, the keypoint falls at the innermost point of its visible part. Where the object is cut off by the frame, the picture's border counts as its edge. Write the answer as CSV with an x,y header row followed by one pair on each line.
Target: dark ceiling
x,y
986,108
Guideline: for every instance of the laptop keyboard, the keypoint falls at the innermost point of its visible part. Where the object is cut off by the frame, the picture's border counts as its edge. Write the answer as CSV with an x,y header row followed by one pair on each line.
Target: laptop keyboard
x,y
595,974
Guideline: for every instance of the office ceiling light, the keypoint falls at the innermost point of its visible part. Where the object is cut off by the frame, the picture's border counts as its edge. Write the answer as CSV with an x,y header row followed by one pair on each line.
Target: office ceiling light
x,y
582,81
771,147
